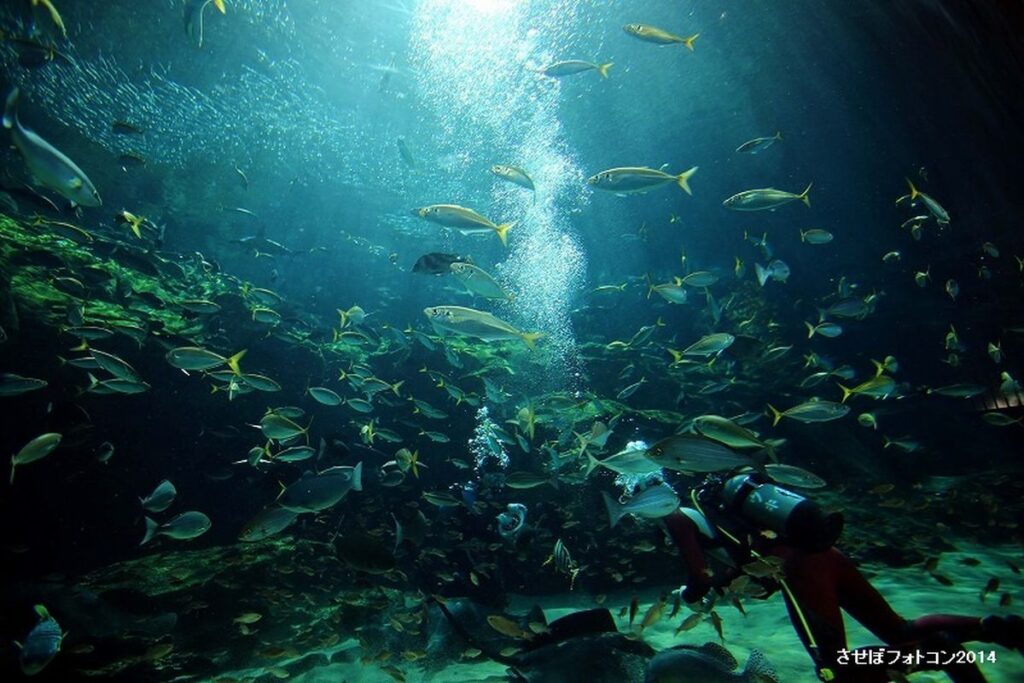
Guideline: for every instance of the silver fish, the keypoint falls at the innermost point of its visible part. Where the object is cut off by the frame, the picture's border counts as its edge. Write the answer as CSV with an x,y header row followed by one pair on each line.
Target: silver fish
x,y
49,165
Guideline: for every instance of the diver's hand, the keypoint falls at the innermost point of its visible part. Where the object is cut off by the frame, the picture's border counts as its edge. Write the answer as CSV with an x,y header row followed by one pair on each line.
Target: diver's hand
x,y
702,605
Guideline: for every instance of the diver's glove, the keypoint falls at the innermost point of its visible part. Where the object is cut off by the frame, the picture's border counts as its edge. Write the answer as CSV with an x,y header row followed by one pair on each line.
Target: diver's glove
x,y
1007,631
697,603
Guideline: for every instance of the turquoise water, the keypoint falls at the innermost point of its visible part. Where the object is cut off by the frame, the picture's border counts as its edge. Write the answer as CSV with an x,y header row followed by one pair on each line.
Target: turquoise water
x,y
262,191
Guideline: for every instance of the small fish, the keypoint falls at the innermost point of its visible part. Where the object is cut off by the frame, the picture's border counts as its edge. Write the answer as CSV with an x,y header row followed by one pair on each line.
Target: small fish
x,y
637,179
267,523
325,396
16,385
406,154
816,236
940,214
630,390
48,165
161,498
464,221
995,352
277,427
36,449
184,527
904,444
653,502
513,174
316,492
990,587
105,452
477,281
437,263
700,278
631,460
671,292
952,288
634,607
653,34
777,270
811,411
574,66
688,453
196,358
891,257
41,644
763,199
880,386
790,475
922,278
507,627
962,390
867,420
824,329
266,316
758,145
468,322
708,345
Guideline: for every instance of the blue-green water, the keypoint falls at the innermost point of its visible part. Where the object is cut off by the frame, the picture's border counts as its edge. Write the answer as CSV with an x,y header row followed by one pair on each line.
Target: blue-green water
x,y
278,166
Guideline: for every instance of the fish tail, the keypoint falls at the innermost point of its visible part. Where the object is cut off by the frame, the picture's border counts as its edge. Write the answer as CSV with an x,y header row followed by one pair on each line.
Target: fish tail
x,y
757,668
502,231
778,135
396,386
762,274
810,329
688,42
803,235
846,392
219,4
614,509
357,476
886,442
603,69
531,338
650,285
805,196
592,464
234,360
151,528
776,415
11,109
913,190
879,367
13,465
683,180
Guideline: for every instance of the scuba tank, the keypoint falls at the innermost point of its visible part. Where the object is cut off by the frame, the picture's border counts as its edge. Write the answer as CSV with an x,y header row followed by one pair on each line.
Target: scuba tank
x,y
758,502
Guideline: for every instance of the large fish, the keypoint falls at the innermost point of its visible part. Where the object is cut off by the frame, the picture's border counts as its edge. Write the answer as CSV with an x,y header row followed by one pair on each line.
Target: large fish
x,y
765,199
636,179
437,263
709,663
49,166
464,221
652,503
318,492
687,453
41,645
472,323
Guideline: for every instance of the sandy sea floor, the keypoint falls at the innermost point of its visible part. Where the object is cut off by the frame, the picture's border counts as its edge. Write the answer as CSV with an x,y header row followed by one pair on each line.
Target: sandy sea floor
x,y
912,592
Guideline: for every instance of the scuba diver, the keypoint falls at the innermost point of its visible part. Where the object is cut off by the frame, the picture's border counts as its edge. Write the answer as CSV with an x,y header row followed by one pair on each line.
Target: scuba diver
x,y
741,517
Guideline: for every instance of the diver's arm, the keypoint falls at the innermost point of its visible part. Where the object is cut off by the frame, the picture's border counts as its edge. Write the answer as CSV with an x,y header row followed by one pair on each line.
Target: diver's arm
x,y
686,537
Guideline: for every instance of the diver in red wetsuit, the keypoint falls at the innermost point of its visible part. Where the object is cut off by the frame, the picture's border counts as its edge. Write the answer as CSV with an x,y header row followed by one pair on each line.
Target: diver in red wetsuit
x,y
742,516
